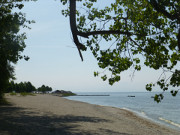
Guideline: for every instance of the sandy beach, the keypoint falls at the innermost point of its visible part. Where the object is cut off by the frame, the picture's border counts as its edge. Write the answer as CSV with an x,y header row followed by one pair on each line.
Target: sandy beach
x,y
53,115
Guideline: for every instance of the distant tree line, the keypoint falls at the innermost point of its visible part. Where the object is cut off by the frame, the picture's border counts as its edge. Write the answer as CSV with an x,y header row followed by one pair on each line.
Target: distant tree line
x,y
44,88
26,87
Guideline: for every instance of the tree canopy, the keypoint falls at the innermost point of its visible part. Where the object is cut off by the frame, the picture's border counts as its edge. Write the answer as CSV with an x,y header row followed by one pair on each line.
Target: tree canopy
x,y
12,41
20,87
139,32
26,87
44,88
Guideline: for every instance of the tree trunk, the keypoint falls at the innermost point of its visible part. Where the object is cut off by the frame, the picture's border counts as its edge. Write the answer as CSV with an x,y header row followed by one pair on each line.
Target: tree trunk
x,y
4,76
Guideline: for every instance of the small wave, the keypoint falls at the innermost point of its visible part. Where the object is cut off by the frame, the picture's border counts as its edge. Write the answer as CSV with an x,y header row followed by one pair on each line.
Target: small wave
x,y
126,109
141,114
130,110
170,122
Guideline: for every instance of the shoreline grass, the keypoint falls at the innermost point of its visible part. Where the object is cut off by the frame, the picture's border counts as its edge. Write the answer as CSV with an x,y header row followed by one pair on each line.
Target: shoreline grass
x,y
26,94
13,94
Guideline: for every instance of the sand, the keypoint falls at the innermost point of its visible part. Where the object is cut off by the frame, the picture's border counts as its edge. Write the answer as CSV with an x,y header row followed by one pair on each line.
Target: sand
x,y
52,115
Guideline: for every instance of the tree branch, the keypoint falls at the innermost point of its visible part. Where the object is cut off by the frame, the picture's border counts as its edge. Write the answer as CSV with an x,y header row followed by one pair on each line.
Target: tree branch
x,y
74,27
160,9
76,33
86,34
178,37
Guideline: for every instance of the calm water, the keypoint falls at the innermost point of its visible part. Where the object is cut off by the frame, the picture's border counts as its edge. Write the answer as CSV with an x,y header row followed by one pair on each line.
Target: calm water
x,y
167,112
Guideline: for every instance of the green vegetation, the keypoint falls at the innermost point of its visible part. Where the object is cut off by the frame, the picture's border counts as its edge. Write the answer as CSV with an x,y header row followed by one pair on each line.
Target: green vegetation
x,y
20,87
13,94
68,94
44,89
25,87
26,94
22,94
140,33
63,93
12,42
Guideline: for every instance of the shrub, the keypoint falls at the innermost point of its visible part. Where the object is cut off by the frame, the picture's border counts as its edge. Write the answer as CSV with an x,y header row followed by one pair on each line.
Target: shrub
x,y
13,93
26,94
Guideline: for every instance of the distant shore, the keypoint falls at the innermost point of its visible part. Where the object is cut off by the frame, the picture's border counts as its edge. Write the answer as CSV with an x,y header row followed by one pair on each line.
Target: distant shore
x,y
52,115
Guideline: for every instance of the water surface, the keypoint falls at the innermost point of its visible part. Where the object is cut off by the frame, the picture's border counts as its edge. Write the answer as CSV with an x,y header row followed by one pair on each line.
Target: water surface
x,y
167,112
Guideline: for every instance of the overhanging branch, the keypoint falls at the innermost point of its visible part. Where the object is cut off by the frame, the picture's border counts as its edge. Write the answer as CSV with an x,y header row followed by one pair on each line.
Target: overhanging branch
x,y
76,33
74,27
103,32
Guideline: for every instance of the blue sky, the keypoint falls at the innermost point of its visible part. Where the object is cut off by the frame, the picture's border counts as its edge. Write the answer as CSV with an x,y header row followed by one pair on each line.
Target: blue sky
x,y
54,60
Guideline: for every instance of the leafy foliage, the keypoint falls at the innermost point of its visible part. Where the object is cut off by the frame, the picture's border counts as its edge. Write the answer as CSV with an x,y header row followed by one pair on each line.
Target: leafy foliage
x,y
44,88
68,94
25,87
20,87
26,94
11,40
140,32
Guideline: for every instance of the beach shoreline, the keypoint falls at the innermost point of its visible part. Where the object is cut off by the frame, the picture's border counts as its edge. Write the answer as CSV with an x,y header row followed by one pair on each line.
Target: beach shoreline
x,y
47,114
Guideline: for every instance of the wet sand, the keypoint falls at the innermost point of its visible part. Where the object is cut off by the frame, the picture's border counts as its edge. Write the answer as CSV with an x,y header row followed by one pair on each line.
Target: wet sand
x,y
52,115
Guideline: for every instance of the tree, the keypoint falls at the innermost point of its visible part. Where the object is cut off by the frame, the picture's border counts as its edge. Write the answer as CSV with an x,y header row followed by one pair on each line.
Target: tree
x,y
140,32
29,87
11,87
44,88
20,87
11,40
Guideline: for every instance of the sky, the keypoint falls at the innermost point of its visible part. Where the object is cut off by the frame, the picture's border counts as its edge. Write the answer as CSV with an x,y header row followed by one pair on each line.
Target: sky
x,y
54,59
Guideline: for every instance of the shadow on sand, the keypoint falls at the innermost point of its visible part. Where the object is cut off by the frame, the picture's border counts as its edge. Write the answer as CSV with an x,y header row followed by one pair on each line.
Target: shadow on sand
x,y
18,121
